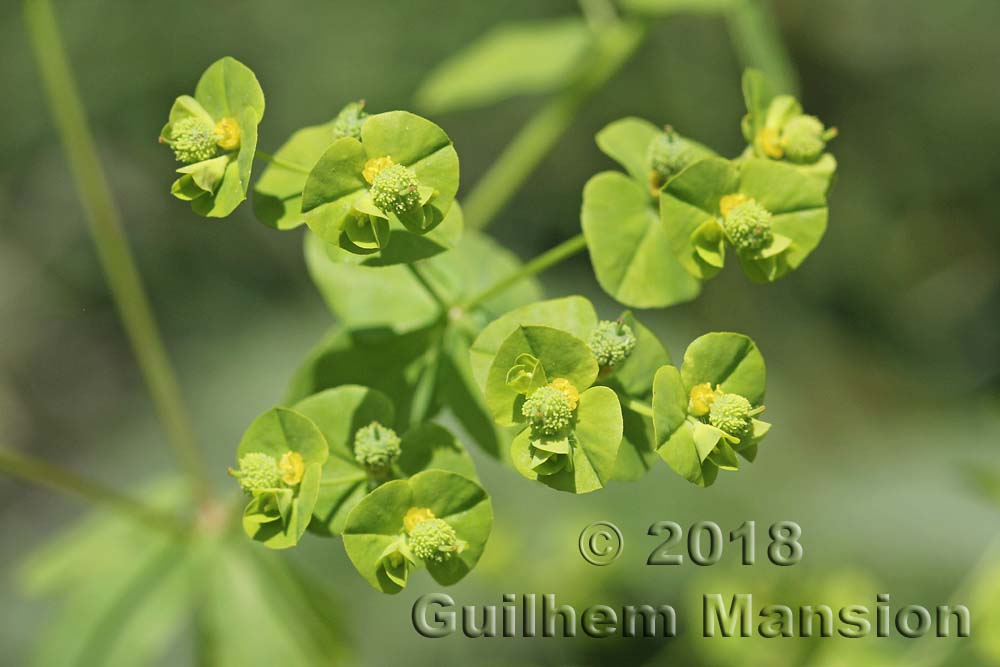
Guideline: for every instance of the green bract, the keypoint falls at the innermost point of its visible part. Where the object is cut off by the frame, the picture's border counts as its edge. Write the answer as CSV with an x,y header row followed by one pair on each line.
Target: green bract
x,y
632,378
280,460
705,413
355,422
776,128
437,518
215,134
628,248
401,174
769,212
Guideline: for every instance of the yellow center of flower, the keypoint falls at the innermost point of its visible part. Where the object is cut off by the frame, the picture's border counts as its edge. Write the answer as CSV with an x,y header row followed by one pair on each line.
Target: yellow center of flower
x,y
292,468
374,166
566,387
701,399
228,132
416,515
728,202
770,143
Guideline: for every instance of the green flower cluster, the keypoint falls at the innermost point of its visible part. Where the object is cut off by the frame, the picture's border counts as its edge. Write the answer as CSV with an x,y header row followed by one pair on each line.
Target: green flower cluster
x,y
668,154
733,414
748,226
549,410
395,189
257,471
434,540
612,341
376,447
194,139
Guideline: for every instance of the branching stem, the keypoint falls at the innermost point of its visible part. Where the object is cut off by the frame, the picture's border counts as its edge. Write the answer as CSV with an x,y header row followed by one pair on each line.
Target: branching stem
x,y
45,474
549,258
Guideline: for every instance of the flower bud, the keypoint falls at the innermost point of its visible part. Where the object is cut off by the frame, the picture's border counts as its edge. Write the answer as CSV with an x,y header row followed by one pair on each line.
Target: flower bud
x,y
193,140
667,155
349,121
395,190
804,138
376,447
434,540
548,410
748,226
611,342
733,414
257,471
292,468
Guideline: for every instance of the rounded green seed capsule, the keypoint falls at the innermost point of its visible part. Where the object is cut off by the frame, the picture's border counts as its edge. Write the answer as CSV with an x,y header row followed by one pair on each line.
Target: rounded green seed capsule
x,y
803,139
434,540
349,121
193,140
667,155
549,410
611,342
395,190
733,414
376,447
748,226
258,471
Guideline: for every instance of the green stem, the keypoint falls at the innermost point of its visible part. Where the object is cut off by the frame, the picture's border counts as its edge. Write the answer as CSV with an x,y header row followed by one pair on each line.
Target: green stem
x,y
642,408
109,238
615,45
428,286
50,476
278,162
755,34
550,257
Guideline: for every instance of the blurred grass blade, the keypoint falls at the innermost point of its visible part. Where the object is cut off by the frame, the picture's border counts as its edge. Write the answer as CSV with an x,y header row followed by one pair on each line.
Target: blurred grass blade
x,y
109,237
758,41
512,59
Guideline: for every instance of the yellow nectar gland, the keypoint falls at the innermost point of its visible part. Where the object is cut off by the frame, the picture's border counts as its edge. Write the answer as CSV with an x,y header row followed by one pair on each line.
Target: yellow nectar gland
x,y
566,387
228,132
701,399
728,202
770,143
416,515
374,166
292,468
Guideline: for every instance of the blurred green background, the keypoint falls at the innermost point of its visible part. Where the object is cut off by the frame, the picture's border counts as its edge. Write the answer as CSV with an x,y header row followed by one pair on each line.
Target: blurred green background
x,y
883,350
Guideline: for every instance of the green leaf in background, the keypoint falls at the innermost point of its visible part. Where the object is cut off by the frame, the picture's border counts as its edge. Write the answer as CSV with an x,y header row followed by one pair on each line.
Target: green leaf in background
x,y
275,433
562,355
277,194
669,7
573,314
380,358
336,199
227,96
691,209
377,526
595,440
512,59
630,253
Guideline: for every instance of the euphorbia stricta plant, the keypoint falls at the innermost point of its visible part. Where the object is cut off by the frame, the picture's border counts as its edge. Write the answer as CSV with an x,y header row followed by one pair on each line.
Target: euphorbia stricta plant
x,y
432,318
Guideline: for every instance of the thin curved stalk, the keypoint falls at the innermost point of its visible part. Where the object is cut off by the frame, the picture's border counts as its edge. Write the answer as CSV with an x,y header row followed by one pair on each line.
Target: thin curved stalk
x,y
109,239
